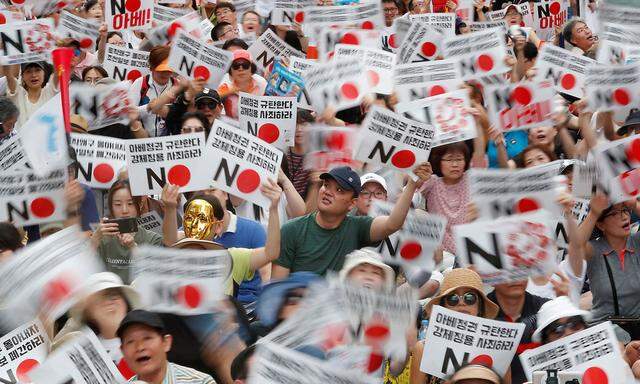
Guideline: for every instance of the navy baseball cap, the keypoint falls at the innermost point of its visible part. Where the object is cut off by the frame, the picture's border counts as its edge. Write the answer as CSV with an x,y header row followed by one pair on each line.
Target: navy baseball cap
x,y
346,177
139,316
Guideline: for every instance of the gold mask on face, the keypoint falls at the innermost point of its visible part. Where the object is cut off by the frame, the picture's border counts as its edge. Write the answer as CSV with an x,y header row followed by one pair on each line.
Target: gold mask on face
x,y
199,220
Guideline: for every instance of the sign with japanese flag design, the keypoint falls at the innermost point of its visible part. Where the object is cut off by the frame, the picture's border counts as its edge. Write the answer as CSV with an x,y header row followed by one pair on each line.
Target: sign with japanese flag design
x,y
367,15
133,15
387,138
417,81
123,63
270,118
9,17
101,106
479,54
28,199
177,160
327,147
165,33
619,168
330,37
444,23
422,43
618,44
100,159
27,41
379,65
547,15
610,87
289,12
475,26
44,277
340,84
163,14
22,350
241,163
566,69
192,58
509,248
180,281
413,245
517,106
615,14
455,339
85,30
269,47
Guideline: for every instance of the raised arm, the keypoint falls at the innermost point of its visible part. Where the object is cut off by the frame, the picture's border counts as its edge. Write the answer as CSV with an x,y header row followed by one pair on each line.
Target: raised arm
x,y
11,72
102,42
169,198
599,202
295,204
271,250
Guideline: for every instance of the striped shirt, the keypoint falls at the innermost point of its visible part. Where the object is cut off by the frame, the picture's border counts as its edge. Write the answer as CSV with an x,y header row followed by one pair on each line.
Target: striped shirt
x,y
177,374
299,175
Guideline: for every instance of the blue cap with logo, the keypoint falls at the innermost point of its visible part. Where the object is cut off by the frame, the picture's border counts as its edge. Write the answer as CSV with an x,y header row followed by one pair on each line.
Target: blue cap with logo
x,y
346,177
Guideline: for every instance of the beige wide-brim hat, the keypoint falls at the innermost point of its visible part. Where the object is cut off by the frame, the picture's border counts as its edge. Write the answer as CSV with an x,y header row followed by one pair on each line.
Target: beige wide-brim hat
x,y
475,372
203,244
367,256
464,278
99,282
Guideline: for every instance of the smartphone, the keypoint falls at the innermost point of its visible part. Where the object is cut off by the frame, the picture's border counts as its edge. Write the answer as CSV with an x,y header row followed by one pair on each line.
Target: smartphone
x,y
125,225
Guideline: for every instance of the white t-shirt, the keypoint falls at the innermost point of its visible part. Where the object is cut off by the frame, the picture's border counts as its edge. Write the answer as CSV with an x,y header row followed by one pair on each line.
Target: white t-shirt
x,y
154,124
21,99
575,283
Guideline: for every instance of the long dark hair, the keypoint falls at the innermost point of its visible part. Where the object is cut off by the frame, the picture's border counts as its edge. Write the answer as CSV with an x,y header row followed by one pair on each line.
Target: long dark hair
x,y
118,185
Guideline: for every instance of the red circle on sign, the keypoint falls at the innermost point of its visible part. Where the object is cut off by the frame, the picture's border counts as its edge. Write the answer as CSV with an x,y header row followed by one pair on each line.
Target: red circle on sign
x,y
392,41
248,181
403,159
173,28
633,150
132,5
436,90
350,38
269,132
554,8
485,360
349,91
24,368
377,331
621,96
373,77
61,4
56,291
201,72
429,49
485,62
527,205
595,375
86,43
568,81
375,362
18,1
522,95
367,25
190,296
410,250
133,74
179,175
299,17
42,207
3,20
103,173
336,141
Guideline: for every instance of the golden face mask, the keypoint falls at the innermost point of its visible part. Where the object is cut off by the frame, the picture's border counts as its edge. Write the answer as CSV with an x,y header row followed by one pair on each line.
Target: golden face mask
x,y
199,220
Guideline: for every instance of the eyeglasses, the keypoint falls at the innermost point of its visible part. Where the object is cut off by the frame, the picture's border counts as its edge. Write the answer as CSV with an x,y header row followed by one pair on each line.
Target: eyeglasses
x,y
223,11
192,128
391,10
455,160
230,30
469,298
622,212
558,329
243,64
201,105
376,194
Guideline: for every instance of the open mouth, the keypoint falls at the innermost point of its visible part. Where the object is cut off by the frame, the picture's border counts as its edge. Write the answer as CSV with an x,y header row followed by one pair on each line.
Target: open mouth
x,y
143,359
541,136
627,226
326,201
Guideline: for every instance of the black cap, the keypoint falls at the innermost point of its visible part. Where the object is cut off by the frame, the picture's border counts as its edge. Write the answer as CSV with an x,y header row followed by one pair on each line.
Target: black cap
x,y
208,94
632,119
139,316
346,177
40,64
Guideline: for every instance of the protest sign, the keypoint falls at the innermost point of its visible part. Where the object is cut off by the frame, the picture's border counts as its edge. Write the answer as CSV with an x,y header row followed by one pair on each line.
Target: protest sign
x,y
482,25
22,350
548,15
609,12
392,37
585,178
447,113
378,63
12,156
367,15
84,30
289,12
9,17
123,63
287,81
619,168
566,69
417,81
101,106
520,106
126,14
327,147
163,34
478,54
269,47
177,160
610,87
455,339
509,248
339,84
421,43
389,139
43,278
193,59
27,41
180,281
330,37
413,245
241,163
81,360
618,44
151,221
594,351
100,159
523,9
163,14
270,118
444,23
39,8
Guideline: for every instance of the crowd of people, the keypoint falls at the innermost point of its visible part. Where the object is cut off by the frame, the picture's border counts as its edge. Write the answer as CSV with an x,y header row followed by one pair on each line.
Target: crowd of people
x,y
319,225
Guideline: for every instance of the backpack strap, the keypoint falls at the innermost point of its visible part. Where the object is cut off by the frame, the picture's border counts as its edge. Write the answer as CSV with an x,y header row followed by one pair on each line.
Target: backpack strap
x,y
614,291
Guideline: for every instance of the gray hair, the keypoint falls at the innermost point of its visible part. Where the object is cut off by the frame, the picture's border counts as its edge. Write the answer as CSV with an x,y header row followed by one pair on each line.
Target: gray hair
x,y
567,30
7,109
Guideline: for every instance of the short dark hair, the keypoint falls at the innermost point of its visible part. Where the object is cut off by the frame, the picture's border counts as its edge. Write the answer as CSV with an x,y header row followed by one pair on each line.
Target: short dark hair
x,y
88,4
97,68
438,153
224,4
530,51
157,55
200,116
218,209
235,42
532,147
216,32
7,109
10,237
240,366
305,116
567,30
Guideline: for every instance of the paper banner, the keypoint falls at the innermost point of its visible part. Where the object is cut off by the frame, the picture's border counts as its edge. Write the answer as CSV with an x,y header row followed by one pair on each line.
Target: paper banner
x,y
619,168
379,65
547,15
100,159
367,15
270,118
23,350
521,105
328,147
123,63
289,12
163,14
27,41
421,43
445,23
567,70
269,47
85,30
340,84
101,106
417,81
12,155
613,87
478,54
163,34
330,37
133,15
618,44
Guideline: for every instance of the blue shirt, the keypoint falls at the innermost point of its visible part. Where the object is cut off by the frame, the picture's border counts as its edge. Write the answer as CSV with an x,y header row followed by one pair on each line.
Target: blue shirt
x,y
514,141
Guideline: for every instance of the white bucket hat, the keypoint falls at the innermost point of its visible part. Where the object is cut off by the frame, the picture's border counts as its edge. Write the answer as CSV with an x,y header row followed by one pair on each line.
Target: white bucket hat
x,y
367,256
556,309
99,282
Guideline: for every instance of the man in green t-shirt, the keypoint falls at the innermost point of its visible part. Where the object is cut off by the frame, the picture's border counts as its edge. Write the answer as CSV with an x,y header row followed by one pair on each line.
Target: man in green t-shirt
x,y
319,241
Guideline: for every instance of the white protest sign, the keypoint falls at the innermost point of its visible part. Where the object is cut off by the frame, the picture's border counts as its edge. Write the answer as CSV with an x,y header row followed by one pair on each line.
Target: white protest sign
x,y
289,12
123,63
566,69
611,87
12,156
287,80
85,30
421,43
367,15
101,106
27,199
455,338
609,12
340,84
547,15
415,243
241,163
389,139
39,8
177,160
22,350
393,37
9,17
270,118
269,47
163,14
443,22
151,221
517,106
378,63
164,33
328,38
81,360
327,147
44,277
482,25
594,351
27,41
127,14
181,281
509,248
193,59
619,168
479,54
100,159
417,81
618,44
447,113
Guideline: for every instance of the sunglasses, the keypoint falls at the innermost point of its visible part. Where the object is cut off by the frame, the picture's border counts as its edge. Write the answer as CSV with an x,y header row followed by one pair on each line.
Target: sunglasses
x,y
469,298
201,105
244,65
558,329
